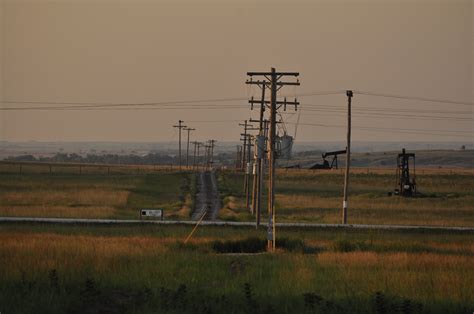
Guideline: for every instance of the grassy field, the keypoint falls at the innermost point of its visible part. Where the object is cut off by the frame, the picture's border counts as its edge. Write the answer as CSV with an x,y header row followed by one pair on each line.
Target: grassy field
x,y
301,195
95,195
147,269
316,196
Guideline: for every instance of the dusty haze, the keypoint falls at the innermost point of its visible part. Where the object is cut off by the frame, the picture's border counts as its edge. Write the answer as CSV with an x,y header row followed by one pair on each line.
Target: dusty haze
x,y
148,51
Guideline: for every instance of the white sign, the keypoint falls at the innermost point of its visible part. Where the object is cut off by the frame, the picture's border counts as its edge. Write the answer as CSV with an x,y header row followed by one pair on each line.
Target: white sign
x,y
151,213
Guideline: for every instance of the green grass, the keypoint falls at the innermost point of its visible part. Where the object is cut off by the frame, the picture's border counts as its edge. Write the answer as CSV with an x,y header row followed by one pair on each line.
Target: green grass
x,y
147,269
95,196
316,196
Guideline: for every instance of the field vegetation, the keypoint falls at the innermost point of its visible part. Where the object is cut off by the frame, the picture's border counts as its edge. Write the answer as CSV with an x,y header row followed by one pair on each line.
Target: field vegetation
x,y
447,197
141,269
95,193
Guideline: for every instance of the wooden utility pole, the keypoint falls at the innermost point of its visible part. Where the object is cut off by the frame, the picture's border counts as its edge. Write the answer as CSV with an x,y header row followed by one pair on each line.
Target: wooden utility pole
x,y
195,143
180,126
211,148
259,165
244,145
246,161
348,157
238,158
187,146
206,156
248,172
272,79
271,244
199,144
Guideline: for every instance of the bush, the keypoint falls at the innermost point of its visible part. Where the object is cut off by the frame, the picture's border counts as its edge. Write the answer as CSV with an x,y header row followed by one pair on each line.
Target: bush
x,y
249,245
255,245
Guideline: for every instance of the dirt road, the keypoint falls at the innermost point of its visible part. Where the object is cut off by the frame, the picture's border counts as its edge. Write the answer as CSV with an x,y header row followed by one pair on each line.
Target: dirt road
x,y
207,196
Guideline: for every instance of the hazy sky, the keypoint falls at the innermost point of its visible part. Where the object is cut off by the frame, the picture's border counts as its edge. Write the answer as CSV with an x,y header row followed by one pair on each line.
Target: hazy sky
x,y
156,51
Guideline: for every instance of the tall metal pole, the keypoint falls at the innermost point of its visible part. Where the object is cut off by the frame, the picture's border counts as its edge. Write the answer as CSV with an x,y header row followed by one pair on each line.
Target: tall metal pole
x,y
348,157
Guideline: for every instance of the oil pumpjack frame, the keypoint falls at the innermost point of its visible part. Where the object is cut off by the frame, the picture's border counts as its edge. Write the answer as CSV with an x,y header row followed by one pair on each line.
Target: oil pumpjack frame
x,y
406,183
334,158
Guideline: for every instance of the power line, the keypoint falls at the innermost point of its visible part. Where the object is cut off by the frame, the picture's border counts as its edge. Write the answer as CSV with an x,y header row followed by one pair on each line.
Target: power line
x,y
446,101
58,105
394,130
391,115
105,104
382,109
100,108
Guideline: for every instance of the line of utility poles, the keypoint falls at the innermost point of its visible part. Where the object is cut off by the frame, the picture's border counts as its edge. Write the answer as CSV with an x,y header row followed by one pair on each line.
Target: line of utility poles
x,y
197,146
246,160
272,80
210,155
208,161
259,165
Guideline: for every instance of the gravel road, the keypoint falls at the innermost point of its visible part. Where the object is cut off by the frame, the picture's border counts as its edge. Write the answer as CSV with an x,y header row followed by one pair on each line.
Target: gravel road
x,y
207,197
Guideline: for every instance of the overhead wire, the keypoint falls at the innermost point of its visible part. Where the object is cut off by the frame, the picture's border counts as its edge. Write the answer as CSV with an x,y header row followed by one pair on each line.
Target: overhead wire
x,y
204,104
416,98
393,130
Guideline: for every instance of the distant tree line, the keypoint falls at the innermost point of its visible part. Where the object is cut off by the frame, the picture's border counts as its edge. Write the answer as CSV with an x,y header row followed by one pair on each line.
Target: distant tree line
x,y
149,159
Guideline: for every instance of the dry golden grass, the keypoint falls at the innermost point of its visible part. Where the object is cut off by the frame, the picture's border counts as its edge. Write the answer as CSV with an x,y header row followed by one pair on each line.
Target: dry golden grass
x,y
74,197
408,274
363,170
58,211
43,251
396,210
299,201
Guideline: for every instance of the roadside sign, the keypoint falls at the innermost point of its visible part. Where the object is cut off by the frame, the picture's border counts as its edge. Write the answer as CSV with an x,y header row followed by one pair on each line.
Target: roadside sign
x,y
153,213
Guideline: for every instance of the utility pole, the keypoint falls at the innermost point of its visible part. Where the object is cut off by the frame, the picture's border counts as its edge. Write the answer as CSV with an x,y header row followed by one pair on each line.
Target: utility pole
x,y
206,156
259,164
248,172
180,126
244,148
187,146
272,79
211,148
259,170
199,144
238,158
246,160
349,95
195,143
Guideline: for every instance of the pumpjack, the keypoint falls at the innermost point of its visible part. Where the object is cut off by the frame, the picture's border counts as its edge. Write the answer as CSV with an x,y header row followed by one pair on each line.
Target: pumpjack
x,y
326,164
406,183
